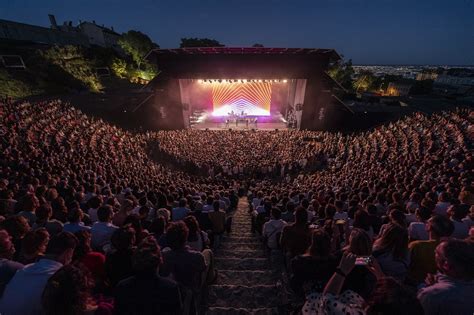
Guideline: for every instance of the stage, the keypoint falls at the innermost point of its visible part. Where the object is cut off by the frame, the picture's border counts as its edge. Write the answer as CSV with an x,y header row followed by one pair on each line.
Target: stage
x,y
202,120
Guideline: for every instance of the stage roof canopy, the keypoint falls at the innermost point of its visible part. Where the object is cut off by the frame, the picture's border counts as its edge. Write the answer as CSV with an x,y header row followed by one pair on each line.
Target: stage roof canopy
x,y
247,50
241,62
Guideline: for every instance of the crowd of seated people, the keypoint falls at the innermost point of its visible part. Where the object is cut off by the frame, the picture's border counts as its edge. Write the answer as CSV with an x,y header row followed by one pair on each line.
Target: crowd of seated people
x,y
90,222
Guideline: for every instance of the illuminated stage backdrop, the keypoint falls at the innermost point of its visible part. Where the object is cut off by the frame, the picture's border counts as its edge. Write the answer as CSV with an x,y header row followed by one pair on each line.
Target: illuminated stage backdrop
x,y
253,98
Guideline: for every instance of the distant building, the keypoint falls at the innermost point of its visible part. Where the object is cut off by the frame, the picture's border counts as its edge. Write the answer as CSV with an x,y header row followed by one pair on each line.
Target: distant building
x,y
100,35
85,34
455,80
398,89
426,76
10,30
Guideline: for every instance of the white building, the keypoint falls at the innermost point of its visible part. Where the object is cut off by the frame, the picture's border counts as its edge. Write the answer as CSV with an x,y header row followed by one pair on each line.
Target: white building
x,y
100,35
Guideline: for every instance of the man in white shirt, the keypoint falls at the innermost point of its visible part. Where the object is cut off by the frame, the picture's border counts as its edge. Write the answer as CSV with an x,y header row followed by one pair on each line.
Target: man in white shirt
x,y
443,204
94,204
273,228
418,230
101,232
23,293
461,228
340,213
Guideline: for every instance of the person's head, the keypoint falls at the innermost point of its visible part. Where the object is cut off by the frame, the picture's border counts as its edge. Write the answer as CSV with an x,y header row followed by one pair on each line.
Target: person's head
x,y
301,215
94,202
29,203
423,214
67,291
83,244
466,197
34,243
177,235
165,213
75,215
360,243
127,206
123,239
157,226
44,212
444,197
192,224
339,205
7,250
276,213
395,240
371,209
457,212
146,258
361,220
16,226
390,297
105,213
61,247
455,258
397,216
440,226
320,244
330,211
216,205
182,202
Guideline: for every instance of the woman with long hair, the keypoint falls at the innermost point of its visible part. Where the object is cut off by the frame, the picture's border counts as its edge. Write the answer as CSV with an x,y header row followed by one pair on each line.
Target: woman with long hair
x,y
313,269
197,239
68,292
33,246
391,251
360,279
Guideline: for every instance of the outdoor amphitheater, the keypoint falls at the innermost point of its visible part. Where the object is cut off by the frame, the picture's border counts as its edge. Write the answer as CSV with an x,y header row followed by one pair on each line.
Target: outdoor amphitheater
x,y
237,180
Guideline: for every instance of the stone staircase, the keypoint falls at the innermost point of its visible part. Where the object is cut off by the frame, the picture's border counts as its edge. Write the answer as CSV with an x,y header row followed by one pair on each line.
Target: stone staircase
x,y
246,283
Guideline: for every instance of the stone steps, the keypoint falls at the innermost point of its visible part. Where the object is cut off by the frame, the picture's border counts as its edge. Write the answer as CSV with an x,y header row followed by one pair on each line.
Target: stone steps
x,y
241,246
242,311
240,254
242,264
247,278
237,296
246,283
247,240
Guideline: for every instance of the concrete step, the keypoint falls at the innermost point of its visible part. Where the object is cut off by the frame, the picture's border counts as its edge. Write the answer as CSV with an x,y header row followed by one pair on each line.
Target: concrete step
x,y
241,246
244,239
241,311
242,263
238,296
248,278
240,254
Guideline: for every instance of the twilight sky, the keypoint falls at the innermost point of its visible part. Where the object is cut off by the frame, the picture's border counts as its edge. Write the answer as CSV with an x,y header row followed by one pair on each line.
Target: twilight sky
x,y
368,31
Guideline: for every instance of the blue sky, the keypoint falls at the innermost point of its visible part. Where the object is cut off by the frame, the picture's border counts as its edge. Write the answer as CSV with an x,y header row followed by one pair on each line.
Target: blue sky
x,y
368,31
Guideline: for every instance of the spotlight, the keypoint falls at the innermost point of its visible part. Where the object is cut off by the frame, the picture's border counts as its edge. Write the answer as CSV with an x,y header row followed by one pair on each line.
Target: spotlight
x,y
200,81
260,81
284,81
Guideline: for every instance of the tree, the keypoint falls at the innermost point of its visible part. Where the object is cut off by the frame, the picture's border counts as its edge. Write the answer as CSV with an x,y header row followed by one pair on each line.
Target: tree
x,y
199,42
257,45
137,45
342,72
366,81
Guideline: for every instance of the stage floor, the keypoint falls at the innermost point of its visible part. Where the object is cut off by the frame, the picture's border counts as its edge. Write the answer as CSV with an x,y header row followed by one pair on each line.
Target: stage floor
x,y
240,126
202,120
